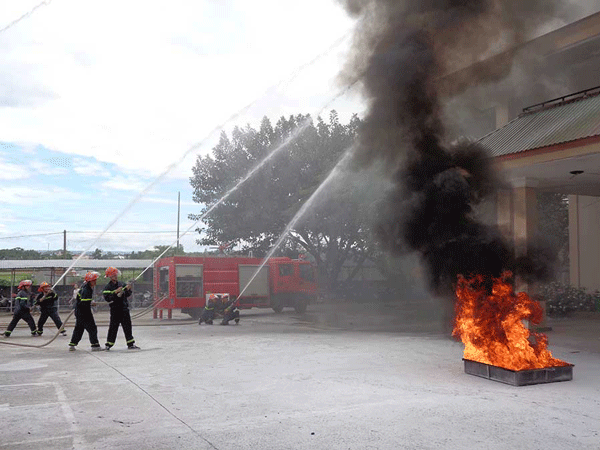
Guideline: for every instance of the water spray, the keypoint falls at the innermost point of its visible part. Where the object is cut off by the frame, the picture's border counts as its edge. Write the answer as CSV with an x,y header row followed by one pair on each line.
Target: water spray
x,y
307,204
297,131
27,14
215,130
286,142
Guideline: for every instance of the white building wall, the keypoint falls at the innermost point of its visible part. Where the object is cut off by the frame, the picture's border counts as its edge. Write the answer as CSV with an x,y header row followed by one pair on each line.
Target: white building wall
x,y
584,241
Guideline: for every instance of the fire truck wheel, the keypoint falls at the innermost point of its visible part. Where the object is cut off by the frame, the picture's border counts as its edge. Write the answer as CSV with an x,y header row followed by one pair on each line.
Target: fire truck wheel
x,y
300,306
277,308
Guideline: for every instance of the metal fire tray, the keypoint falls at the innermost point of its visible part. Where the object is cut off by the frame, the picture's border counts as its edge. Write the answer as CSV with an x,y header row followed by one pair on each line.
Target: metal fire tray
x,y
519,377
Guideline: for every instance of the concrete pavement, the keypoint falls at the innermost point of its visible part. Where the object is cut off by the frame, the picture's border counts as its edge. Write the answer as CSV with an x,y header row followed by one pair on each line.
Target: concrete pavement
x,y
334,378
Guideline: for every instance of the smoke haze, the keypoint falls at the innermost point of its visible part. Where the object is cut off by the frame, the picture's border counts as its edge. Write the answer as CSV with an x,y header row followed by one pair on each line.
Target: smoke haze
x,y
403,53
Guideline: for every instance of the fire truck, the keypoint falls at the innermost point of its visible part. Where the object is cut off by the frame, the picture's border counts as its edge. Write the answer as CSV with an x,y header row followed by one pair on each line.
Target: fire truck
x,y
184,283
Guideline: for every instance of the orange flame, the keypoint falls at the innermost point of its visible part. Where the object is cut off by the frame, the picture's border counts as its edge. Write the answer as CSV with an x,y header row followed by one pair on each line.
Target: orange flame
x,y
489,321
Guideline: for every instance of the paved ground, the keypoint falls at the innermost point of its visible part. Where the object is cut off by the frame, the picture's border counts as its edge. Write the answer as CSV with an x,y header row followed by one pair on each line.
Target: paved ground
x,y
330,379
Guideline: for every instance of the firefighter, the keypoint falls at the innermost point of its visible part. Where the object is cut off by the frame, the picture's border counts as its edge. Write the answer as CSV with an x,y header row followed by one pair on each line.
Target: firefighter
x,y
45,299
116,293
208,314
230,312
22,309
84,318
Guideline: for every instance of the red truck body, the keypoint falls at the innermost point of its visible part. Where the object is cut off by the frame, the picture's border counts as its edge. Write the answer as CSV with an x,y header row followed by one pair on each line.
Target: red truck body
x,y
183,282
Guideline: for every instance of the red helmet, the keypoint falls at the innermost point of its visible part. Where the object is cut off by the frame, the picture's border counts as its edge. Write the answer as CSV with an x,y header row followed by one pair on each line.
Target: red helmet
x,y
111,271
24,283
91,276
43,285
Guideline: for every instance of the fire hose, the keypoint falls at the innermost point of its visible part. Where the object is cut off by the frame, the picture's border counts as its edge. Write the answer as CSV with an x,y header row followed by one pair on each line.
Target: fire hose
x,y
135,316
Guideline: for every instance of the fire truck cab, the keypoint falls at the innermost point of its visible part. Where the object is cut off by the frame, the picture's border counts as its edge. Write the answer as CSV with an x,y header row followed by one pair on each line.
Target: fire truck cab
x,y
182,282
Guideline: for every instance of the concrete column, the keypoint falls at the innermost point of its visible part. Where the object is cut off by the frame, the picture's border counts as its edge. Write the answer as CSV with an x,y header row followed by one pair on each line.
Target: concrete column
x,y
574,258
525,218
504,213
584,241
525,229
502,117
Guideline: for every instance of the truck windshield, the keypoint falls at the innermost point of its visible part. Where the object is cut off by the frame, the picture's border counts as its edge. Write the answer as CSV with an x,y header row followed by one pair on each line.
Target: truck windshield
x,y
306,272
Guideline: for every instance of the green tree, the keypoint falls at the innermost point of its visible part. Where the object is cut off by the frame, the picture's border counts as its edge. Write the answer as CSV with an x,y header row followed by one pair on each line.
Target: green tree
x,y
254,216
19,253
155,252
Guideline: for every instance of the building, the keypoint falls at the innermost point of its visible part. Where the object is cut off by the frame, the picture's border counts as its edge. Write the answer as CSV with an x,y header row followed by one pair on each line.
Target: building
x,y
542,126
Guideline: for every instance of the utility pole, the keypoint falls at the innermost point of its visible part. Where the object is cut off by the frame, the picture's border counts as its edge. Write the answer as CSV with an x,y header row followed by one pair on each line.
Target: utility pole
x,y
178,212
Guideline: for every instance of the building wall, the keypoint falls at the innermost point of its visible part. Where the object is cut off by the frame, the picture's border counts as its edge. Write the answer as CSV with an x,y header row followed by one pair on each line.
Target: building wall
x,y
584,241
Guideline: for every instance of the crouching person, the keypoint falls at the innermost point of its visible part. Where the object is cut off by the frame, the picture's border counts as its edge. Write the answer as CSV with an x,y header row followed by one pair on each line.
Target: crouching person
x,y
208,314
84,318
230,313
46,300
116,294
22,310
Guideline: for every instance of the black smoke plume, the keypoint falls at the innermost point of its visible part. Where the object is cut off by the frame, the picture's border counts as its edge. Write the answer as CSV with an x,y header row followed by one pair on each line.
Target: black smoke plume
x,y
403,52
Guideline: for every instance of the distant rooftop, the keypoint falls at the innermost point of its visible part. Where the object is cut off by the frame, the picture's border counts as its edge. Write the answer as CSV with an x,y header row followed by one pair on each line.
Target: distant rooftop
x,y
564,119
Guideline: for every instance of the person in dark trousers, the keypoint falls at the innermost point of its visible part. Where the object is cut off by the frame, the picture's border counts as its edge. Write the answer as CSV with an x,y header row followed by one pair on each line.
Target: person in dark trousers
x,y
208,314
84,318
116,294
22,310
46,301
230,312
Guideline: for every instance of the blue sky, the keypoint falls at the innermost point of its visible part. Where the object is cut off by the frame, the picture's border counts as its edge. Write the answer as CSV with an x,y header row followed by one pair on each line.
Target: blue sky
x,y
44,191
98,99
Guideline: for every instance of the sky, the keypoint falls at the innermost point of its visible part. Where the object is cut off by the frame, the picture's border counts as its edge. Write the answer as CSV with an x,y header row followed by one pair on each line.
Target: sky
x,y
101,100
104,106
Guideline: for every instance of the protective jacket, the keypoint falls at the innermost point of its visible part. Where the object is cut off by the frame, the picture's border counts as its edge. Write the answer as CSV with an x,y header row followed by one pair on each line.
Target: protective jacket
x,y
84,297
22,300
84,318
114,300
48,303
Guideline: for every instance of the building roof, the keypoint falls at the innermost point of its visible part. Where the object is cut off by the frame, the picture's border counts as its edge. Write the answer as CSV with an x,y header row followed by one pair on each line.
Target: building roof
x,y
8,264
557,121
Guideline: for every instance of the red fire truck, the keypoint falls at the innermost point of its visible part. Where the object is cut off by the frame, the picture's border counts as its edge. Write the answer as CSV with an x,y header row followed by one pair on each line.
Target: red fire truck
x,y
184,282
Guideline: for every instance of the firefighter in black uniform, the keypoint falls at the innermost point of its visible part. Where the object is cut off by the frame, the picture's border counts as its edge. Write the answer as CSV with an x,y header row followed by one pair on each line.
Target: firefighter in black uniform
x,y
116,293
45,299
22,310
230,312
208,314
84,319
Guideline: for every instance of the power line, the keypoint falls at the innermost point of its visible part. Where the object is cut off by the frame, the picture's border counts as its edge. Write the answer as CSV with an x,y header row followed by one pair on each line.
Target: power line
x,y
88,232
30,235
124,232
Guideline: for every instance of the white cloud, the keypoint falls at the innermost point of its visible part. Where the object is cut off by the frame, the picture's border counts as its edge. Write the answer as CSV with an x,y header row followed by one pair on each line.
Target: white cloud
x,y
167,201
9,171
142,94
89,167
121,106
43,168
123,183
30,197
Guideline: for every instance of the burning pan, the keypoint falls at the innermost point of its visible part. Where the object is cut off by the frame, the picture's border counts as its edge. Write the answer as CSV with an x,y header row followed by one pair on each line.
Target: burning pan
x,y
519,377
